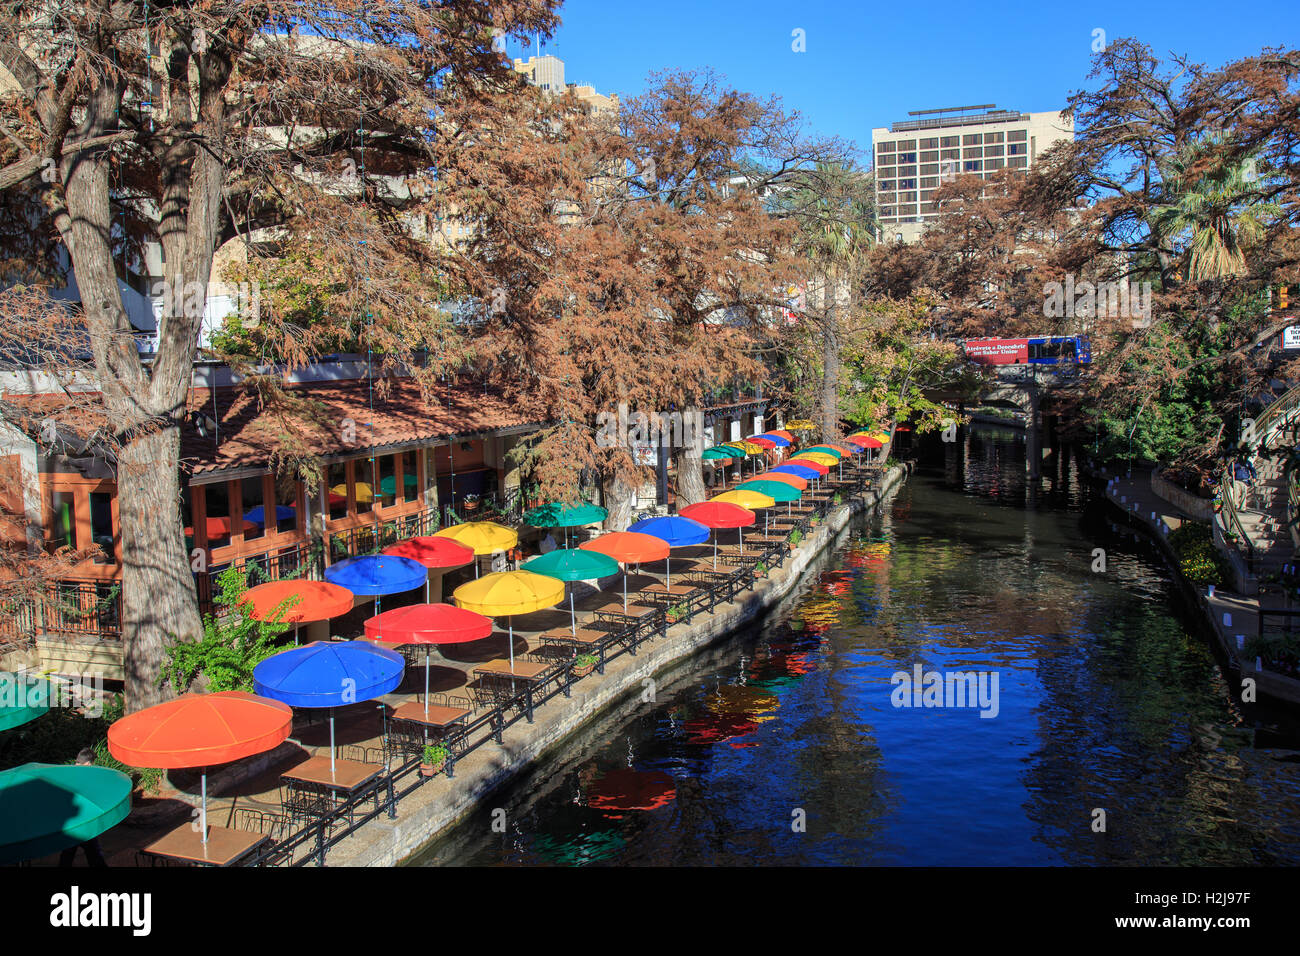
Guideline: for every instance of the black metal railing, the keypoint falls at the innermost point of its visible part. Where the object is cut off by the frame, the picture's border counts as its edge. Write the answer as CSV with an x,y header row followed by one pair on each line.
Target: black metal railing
x,y
300,561
311,842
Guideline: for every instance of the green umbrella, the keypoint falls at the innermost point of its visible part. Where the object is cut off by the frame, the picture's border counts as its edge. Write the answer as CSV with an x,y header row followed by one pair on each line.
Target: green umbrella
x,y
825,450
558,515
710,454
776,490
22,698
573,564
389,485
45,808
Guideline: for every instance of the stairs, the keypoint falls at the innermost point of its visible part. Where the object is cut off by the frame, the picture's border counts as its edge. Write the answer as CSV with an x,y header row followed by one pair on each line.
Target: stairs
x,y
1264,519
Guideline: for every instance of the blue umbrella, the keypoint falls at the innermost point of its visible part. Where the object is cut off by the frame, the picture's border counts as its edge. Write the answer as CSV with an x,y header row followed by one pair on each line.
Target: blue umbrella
x,y
377,574
775,439
674,530
258,514
329,674
799,471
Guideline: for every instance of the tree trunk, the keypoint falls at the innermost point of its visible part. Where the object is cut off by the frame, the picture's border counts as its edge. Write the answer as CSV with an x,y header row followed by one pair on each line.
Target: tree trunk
x,y
618,498
830,360
158,601
690,478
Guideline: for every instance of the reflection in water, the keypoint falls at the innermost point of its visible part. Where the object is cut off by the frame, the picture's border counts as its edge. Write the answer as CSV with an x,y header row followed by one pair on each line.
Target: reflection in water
x,y
1108,700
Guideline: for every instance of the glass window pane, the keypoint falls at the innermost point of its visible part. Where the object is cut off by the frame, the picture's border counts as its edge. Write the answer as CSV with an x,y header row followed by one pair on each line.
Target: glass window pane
x,y
217,498
930,143
64,520
286,501
101,521
337,489
255,512
410,476
387,466
363,481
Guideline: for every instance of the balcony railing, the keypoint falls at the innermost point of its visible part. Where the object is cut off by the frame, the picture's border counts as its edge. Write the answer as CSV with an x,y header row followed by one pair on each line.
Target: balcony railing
x,y
82,609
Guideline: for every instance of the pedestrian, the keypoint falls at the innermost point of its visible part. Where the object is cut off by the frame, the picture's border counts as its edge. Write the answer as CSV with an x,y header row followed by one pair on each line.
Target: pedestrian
x,y
94,855
1243,478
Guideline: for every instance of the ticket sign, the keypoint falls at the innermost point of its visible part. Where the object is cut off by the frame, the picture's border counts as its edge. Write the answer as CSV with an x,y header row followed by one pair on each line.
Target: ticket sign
x,y
998,351
1291,337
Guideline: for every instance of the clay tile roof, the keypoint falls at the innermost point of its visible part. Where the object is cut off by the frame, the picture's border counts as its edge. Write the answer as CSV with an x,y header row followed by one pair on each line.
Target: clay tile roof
x,y
250,433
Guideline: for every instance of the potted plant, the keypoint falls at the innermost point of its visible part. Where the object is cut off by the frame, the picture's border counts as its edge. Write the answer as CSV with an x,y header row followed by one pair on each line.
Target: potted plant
x,y
675,613
760,570
435,755
837,499
584,664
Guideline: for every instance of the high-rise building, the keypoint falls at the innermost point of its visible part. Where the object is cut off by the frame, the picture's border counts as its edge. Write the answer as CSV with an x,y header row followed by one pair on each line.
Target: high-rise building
x,y
548,73
913,157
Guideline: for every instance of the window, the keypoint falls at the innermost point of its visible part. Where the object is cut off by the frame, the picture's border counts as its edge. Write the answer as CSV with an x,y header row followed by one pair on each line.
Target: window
x,y
387,468
907,157
286,501
949,141
411,476
885,148
906,144
972,139
907,184
972,153
255,514
950,154
972,166
994,163
1017,149
64,513
886,186
993,150
1018,162
930,169
929,182
1018,136
931,157
994,137
931,143
926,194
907,170
906,198
216,497
337,489
930,207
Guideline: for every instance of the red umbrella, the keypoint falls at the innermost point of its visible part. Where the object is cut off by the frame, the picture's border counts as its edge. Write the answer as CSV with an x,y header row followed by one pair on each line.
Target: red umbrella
x,y
433,553
761,442
428,624
627,789
200,730
719,514
318,601
220,527
866,441
629,547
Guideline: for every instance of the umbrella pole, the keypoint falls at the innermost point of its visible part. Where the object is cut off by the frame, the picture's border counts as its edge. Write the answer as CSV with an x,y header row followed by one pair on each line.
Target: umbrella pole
x,y
668,571
573,615
715,551
625,589
331,741
426,683
295,635
510,620
203,817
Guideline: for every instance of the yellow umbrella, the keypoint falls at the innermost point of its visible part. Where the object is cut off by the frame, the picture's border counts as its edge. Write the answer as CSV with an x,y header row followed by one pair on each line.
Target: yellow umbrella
x,y
753,500
365,495
800,425
820,457
482,537
748,447
509,593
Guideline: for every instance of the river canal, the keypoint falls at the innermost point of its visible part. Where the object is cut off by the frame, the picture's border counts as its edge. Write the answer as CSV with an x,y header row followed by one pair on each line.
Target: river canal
x,y
1108,734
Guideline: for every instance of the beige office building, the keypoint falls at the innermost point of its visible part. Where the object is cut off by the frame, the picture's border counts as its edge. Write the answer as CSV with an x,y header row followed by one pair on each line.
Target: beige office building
x,y
914,156
548,73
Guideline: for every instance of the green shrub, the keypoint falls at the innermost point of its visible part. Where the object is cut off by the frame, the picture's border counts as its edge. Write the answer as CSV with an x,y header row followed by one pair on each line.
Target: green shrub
x,y
1198,559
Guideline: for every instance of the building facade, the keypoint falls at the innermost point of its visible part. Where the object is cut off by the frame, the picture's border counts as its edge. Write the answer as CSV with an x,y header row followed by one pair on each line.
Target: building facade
x,y
913,157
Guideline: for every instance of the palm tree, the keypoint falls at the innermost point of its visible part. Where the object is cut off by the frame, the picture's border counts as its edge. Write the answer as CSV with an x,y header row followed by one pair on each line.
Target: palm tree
x,y
1211,217
833,204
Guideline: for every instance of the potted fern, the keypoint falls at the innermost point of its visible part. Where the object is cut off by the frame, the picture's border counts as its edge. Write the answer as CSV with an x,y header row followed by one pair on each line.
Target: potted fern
x,y
675,613
435,756
584,664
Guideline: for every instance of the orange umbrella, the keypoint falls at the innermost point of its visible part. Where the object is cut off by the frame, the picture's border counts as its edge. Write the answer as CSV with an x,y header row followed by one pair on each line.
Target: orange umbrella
x,y
200,730
788,436
794,481
628,547
317,601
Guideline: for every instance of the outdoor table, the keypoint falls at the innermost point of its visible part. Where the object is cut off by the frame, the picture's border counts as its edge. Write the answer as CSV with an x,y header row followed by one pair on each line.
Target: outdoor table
x,y
313,779
613,612
224,847
497,674
661,593
583,637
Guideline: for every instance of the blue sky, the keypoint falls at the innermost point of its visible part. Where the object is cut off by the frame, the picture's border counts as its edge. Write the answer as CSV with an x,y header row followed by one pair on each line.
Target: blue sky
x,y
861,69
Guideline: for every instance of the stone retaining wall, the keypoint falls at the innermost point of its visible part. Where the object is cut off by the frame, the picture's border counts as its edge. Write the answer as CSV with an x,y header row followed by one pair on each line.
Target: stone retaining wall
x,y
1202,509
